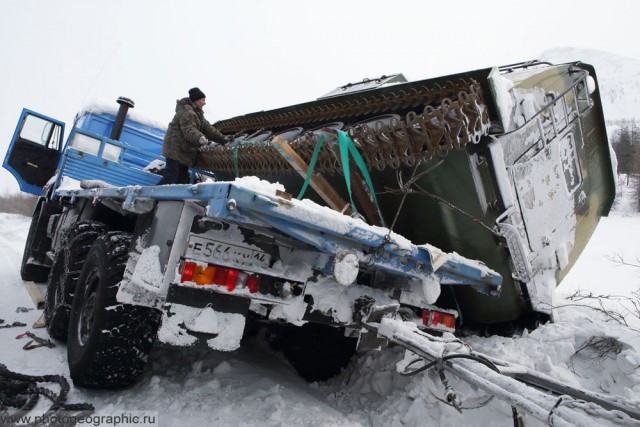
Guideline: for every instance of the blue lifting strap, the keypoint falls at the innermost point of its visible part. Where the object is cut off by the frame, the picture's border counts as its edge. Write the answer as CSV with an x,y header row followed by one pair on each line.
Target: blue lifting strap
x,y
312,164
235,157
347,147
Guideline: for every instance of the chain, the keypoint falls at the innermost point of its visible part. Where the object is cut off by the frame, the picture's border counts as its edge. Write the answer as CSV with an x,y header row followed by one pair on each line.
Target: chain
x,y
21,391
15,324
450,117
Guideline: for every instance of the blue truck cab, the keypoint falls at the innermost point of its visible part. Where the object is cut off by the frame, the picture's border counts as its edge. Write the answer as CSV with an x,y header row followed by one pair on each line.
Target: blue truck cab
x,y
104,144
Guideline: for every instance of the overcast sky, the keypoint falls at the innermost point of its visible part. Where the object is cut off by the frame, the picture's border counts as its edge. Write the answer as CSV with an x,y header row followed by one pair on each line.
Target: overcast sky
x,y
256,55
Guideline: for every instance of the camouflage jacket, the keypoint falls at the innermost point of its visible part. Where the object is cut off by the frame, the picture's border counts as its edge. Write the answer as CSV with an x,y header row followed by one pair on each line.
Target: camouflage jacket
x,y
182,140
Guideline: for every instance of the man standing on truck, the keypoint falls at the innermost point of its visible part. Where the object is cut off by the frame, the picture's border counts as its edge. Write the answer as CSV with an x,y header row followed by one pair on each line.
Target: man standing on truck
x,y
187,132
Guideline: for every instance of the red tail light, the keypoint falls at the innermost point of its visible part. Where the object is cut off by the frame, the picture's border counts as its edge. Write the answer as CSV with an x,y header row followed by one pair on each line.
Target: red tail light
x,y
438,319
253,283
220,278
187,270
230,278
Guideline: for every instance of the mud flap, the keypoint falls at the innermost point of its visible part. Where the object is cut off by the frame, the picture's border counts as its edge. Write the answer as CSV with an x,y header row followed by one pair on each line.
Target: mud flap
x,y
368,339
200,318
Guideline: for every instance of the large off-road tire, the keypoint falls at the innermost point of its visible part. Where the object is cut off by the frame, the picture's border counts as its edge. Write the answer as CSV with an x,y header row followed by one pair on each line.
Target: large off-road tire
x,y
67,263
28,270
317,352
108,342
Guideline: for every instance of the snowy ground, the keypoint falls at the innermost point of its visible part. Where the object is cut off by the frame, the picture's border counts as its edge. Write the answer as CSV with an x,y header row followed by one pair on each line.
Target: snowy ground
x,y
255,386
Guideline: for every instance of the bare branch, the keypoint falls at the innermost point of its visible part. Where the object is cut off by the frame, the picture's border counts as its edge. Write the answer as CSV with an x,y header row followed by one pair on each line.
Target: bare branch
x,y
617,314
619,259
596,349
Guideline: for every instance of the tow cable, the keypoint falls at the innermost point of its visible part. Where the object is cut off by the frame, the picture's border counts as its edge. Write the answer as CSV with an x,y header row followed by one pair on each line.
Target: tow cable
x,y
525,390
450,394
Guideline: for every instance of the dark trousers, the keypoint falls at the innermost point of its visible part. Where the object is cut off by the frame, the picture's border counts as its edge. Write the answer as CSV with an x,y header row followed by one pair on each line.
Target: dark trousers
x,y
175,173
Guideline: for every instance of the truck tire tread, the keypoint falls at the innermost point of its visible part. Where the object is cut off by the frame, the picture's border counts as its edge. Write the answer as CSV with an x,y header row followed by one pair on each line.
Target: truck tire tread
x,y
67,263
114,349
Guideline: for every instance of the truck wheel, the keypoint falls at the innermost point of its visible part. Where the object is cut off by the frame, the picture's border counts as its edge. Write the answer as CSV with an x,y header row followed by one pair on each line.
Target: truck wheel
x,y
28,271
67,263
108,342
317,352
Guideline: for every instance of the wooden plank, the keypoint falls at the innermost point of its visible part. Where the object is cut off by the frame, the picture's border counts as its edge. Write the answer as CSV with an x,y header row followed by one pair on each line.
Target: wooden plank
x,y
361,192
317,182
365,201
35,294
40,322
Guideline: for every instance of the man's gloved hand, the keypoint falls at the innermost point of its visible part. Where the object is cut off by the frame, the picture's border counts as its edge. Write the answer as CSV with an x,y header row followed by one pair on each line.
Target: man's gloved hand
x,y
205,143
229,138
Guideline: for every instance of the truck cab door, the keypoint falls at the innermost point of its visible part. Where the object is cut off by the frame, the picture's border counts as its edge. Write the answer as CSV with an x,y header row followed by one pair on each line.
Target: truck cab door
x,y
34,151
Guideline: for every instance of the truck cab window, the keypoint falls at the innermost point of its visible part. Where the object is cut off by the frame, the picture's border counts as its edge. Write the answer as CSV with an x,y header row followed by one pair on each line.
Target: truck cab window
x,y
41,131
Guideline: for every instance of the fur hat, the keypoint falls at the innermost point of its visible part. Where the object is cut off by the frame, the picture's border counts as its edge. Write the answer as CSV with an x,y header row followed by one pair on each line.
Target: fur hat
x,y
195,94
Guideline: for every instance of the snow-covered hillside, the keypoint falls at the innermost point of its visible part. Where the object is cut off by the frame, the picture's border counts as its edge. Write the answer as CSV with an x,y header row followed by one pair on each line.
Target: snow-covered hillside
x,y
256,386
619,78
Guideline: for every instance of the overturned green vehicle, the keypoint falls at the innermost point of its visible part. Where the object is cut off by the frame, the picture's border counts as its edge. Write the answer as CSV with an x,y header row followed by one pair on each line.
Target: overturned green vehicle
x,y
508,165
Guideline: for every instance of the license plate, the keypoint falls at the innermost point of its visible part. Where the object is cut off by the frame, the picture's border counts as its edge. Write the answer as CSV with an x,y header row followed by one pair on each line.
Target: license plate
x,y
216,252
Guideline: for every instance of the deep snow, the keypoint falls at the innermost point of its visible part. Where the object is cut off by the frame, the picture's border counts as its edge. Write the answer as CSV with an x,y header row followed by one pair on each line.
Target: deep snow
x,y
256,386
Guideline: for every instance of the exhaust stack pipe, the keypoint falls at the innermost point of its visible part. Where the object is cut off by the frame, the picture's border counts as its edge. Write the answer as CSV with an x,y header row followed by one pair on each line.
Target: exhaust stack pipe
x,y
118,125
